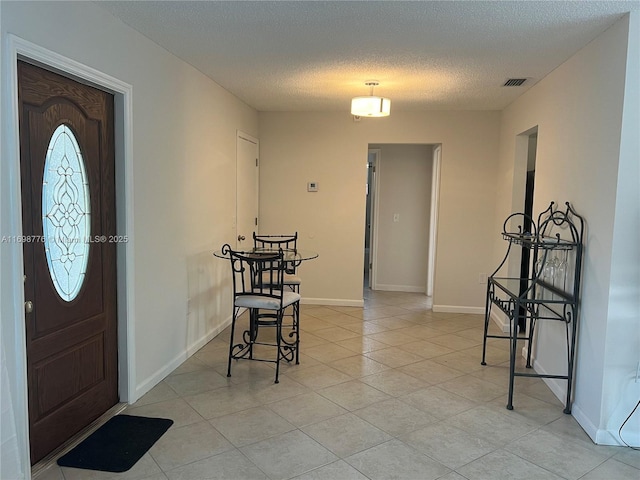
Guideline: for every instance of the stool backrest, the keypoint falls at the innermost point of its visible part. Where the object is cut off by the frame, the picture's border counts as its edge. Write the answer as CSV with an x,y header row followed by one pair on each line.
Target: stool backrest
x,y
285,242
276,242
256,273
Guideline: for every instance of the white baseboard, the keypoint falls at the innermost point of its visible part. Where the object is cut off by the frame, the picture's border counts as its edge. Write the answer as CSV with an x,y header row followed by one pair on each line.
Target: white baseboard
x,y
158,376
611,435
557,386
198,344
399,288
627,401
458,309
337,302
501,320
169,367
586,424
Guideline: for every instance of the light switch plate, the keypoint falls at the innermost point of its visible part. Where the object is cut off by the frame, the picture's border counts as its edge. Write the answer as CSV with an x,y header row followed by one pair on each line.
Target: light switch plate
x,y
312,187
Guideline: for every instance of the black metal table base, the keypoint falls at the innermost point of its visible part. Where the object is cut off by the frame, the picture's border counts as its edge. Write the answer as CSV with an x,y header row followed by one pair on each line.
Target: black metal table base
x,y
287,340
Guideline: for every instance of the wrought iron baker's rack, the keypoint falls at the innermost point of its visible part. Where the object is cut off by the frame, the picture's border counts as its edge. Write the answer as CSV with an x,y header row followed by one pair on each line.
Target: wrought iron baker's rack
x,y
552,292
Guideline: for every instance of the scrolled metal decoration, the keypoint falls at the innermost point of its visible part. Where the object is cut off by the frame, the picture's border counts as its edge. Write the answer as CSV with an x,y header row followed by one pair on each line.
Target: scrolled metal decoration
x,y
552,291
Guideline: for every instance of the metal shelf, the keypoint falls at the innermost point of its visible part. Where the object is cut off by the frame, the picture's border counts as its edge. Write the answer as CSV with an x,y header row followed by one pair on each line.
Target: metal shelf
x,y
546,295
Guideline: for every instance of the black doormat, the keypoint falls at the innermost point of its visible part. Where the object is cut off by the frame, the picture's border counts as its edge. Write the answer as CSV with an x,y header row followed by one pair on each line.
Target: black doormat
x,y
117,445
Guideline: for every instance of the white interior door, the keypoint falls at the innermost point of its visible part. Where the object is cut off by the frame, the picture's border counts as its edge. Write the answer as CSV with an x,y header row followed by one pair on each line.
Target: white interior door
x,y
247,182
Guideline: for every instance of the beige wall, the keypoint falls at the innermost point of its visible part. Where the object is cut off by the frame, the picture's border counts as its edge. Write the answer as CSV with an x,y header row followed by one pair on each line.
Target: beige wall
x,y
578,111
331,148
404,181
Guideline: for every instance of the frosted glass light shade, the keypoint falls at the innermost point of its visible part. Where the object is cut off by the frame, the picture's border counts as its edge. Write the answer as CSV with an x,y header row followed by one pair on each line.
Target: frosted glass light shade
x,y
371,106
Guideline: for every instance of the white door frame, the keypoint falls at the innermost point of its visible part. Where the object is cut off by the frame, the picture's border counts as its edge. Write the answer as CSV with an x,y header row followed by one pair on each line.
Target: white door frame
x,y
433,222
245,137
12,271
373,231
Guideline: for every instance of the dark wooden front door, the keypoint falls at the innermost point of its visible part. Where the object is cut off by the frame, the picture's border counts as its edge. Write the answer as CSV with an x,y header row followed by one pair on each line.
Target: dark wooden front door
x,y
68,208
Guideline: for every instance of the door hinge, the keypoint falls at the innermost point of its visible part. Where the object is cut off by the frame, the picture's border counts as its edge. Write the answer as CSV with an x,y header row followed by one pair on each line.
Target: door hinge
x,y
256,162
256,221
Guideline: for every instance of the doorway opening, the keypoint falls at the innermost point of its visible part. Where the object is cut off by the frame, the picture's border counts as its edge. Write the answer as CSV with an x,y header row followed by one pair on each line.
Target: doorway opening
x,y
525,261
372,158
401,217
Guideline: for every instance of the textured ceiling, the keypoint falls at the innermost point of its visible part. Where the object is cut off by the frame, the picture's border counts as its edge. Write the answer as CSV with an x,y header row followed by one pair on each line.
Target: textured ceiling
x,y
315,55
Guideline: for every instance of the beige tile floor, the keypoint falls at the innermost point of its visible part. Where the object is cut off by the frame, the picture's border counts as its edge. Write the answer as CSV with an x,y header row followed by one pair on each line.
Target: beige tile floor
x,y
389,391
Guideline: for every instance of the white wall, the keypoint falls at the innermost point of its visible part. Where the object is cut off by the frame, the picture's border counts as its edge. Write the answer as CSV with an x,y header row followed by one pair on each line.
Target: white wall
x,y
331,148
578,111
404,176
622,349
183,184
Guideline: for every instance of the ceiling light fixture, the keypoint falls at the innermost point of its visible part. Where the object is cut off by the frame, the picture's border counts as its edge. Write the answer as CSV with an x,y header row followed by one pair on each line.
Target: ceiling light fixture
x,y
371,106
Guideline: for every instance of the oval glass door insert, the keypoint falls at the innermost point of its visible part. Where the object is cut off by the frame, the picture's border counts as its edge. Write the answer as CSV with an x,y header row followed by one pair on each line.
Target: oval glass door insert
x,y
66,213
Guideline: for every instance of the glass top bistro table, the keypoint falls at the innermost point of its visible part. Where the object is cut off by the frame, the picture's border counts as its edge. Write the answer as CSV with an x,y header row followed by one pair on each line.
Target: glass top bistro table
x,y
290,255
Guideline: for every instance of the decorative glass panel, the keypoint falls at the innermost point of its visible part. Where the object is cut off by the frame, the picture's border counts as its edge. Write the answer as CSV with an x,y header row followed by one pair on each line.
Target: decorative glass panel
x,y
66,213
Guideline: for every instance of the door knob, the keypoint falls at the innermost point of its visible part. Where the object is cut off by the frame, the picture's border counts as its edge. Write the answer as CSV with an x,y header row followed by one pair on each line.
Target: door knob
x,y
28,306
241,237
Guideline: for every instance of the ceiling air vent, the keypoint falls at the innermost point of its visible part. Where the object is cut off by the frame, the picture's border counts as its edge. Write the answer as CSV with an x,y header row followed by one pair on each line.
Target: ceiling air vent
x,y
514,82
